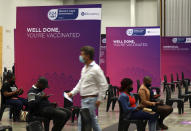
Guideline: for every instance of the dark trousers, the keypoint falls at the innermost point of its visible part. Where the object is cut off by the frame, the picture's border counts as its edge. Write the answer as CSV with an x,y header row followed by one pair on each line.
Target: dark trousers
x,y
17,106
141,115
59,116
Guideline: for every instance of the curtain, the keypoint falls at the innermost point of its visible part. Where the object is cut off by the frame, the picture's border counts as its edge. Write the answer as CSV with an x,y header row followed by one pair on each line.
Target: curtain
x,y
178,18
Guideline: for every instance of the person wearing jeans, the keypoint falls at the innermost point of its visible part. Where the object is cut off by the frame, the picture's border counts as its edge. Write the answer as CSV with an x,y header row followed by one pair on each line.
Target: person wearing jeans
x,y
90,104
10,94
131,110
92,85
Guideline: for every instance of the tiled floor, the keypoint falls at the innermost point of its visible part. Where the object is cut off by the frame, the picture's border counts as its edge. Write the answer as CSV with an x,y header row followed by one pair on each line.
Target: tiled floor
x,y
108,120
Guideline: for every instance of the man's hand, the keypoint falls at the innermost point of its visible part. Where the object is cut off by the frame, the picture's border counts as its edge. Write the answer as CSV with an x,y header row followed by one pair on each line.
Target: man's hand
x,y
20,91
139,107
98,103
17,91
45,96
70,94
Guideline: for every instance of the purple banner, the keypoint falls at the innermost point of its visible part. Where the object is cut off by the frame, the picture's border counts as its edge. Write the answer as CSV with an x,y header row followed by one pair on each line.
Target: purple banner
x,y
103,53
48,42
175,56
133,52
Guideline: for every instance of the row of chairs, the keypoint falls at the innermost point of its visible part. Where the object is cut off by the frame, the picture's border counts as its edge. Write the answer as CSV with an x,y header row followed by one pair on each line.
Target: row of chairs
x,y
182,97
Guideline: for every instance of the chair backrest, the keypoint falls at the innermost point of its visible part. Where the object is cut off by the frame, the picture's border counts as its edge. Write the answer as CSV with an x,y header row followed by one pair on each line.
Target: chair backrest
x,y
177,77
179,90
108,80
113,91
116,91
86,119
165,79
168,93
138,85
172,78
182,75
137,98
186,86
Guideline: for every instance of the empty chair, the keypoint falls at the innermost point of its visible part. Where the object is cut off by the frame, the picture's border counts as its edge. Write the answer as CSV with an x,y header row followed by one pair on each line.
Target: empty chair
x,y
113,94
186,86
165,84
185,79
170,101
186,97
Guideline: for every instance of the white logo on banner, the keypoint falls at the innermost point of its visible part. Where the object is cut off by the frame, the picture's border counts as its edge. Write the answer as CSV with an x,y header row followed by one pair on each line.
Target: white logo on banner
x,y
52,14
129,32
104,40
174,40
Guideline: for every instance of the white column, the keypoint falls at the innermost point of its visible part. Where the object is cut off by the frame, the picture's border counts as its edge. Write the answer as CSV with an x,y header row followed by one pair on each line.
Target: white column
x,y
133,13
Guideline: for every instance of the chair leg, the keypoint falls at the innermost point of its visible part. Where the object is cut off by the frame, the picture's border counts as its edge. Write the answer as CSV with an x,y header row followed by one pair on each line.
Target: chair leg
x,y
108,105
113,104
190,101
73,116
1,112
179,110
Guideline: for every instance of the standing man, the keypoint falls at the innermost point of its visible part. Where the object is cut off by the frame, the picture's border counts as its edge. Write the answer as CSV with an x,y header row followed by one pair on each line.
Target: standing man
x,y
92,85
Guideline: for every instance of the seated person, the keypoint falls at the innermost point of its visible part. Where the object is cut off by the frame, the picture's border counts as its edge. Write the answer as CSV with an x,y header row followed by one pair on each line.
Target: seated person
x,y
146,97
131,110
11,94
39,105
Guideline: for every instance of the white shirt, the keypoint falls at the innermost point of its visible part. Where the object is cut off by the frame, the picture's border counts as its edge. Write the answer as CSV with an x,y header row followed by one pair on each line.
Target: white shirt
x,y
92,82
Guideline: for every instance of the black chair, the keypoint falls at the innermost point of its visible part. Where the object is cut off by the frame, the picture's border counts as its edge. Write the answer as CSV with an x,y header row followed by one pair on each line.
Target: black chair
x,y
33,118
165,84
4,106
186,97
69,105
34,126
138,85
186,86
137,98
5,128
170,101
185,79
86,121
124,123
113,94
108,81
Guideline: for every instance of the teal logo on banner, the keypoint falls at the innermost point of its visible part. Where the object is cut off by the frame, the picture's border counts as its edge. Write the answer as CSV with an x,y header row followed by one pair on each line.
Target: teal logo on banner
x,y
63,14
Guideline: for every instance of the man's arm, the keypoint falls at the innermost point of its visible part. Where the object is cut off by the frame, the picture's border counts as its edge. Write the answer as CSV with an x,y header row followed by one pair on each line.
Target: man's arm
x,y
102,84
76,89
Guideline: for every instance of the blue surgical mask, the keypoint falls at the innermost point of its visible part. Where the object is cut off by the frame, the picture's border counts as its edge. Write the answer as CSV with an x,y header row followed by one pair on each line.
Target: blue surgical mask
x,y
81,59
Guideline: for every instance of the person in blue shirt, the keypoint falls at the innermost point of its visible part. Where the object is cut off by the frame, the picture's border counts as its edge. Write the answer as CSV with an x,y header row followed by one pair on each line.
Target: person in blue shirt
x,y
131,109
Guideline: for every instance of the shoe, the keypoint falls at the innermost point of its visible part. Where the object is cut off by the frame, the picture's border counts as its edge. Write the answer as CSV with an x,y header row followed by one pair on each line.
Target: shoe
x,y
163,127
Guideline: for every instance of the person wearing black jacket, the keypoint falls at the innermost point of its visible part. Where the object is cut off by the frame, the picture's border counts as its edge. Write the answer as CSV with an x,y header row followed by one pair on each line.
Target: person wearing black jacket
x,y
39,105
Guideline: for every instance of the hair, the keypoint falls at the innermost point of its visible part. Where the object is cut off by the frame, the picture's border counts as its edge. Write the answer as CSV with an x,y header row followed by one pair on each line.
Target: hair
x,y
88,50
10,75
146,79
125,83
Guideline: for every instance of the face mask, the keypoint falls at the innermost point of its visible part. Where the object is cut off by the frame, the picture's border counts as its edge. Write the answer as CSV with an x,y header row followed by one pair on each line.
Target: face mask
x,y
81,59
148,85
130,89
